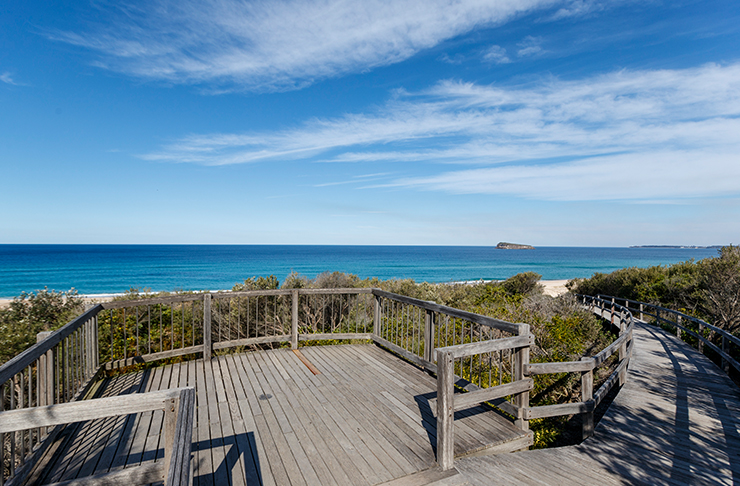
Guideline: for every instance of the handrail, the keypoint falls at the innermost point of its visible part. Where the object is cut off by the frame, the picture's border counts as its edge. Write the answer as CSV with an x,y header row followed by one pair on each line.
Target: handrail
x,y
727,338
451,311
178,405
59,368
20,362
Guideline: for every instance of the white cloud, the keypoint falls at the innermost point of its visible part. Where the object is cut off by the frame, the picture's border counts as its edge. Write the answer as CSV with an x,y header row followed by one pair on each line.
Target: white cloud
x,y
496,54
280,44
620,127
529,46
579,8
7,78
646,177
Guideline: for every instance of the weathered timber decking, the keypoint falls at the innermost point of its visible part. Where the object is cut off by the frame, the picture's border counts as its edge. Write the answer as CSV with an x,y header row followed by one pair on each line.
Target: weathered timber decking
x,y
676,421
265,418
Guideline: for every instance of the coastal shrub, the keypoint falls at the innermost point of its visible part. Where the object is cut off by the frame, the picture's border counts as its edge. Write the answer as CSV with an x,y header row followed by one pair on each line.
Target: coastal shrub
x,y
257,283
708,289
719,286
34,312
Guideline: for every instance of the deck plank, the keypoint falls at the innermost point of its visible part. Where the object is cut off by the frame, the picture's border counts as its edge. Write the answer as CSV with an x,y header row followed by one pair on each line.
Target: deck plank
x,y
274,421
274,469
203,468
249,450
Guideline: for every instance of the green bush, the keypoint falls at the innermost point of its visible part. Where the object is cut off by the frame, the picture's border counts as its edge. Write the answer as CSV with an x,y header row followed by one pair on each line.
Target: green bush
x,y
709,289
31,313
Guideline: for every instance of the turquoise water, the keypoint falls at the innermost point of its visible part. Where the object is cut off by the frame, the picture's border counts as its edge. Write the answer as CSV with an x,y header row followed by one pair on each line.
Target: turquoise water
x,y
102,269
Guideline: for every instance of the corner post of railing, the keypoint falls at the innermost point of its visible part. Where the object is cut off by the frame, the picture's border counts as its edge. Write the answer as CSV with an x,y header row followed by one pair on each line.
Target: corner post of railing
x,y
178,434
97,342
89,348
429,336
726,350
445,410
207,336
45,372
171,409
521,361
678,329
642,317
376,316
700,342
622,352
587,393
294,320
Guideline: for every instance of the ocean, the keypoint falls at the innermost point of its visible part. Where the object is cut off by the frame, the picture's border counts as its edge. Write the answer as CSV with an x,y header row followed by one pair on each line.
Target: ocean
x,y
107,269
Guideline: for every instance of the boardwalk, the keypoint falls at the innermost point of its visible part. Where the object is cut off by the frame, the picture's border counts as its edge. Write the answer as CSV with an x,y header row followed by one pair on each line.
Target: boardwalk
x,y
265,418
676,421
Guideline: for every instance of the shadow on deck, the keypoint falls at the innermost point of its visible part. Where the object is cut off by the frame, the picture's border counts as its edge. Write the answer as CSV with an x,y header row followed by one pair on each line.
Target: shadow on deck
x,y
265,418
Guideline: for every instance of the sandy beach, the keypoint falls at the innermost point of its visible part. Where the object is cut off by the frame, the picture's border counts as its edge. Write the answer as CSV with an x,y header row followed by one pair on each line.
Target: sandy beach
x,y
554,287
551,287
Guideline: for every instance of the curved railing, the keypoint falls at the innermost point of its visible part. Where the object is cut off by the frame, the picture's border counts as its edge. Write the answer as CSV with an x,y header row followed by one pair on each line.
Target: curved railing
x,y
702,333
486,357
621,319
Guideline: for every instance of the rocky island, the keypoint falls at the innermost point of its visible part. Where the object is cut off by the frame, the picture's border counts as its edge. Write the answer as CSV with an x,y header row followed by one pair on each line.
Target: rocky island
x,y
513,246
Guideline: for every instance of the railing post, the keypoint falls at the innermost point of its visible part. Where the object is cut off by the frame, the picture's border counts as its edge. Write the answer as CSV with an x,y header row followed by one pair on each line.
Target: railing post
x,y
587,393
642,317
207,337
294,321
726,349
521,360
171,407
678,329
445,411
376,316
429,336
45,371
701,333
612,312
622,354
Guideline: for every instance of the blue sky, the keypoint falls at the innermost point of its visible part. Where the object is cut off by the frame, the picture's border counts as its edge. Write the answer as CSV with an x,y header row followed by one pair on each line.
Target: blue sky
x,y
555,123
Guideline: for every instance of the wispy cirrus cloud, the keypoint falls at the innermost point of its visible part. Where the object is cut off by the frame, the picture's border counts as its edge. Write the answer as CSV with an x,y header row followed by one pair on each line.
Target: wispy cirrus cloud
x,y
284,44
497,55
7,78
529,46
667,176
564,134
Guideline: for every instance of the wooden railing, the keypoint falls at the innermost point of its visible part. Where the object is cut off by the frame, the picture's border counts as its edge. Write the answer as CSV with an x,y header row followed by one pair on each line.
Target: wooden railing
x,y
487,358
58,369
705,336
521,382
177,404
448,403
621,319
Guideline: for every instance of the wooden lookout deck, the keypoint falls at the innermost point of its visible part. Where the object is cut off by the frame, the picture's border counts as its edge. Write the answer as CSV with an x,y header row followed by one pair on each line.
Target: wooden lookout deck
x,y
388,412
265,418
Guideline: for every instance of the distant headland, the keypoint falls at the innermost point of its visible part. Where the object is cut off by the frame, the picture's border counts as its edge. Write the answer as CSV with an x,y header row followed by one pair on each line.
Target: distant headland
x,y
678,246
513,246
